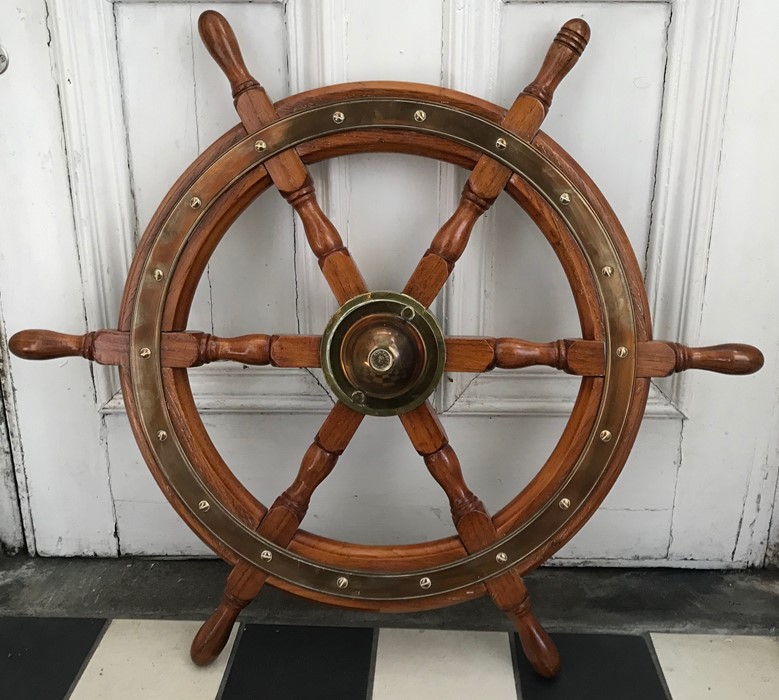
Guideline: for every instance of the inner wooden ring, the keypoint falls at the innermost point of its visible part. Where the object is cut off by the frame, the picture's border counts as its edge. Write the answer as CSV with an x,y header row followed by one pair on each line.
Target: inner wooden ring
x,y
211,467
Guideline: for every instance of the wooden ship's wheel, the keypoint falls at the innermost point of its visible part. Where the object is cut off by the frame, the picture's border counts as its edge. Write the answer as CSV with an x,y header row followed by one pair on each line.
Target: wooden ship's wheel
x,y
383,352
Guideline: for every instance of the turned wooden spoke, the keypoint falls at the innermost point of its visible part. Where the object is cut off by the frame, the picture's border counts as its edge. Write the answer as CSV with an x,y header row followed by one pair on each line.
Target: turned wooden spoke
x,y
279,525
489,177
586,358
287,170
477,531
179,349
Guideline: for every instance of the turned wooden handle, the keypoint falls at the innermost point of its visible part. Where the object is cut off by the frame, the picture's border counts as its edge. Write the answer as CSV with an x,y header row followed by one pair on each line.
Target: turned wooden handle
x,y
730,358
565,50
37,344
219,39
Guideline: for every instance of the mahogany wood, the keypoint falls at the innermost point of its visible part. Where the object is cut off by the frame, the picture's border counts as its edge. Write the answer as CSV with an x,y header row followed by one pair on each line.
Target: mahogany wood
x,y
287,170
477,531
489,177
279,525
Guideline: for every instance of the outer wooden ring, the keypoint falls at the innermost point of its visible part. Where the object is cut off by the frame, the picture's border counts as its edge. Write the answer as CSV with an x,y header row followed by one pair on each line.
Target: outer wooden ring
x,y
204,457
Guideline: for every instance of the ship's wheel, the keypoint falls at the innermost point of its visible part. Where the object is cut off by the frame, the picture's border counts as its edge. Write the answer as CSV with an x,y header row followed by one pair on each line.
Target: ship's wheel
x,y
383,352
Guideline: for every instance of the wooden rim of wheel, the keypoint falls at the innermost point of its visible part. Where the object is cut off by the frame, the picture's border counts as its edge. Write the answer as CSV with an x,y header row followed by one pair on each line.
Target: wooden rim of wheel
x,y
614,311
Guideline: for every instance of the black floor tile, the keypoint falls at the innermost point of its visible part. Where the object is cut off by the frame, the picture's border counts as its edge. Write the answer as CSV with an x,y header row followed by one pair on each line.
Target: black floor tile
x,y
283,662
595,667
41,657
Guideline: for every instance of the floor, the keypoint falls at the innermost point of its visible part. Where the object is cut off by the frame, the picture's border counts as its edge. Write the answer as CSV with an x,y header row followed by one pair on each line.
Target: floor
x,y
123,659
105,629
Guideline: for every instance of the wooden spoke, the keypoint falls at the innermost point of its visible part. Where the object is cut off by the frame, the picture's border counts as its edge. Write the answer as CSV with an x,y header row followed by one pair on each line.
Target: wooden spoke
x,y
489,177
179,349
279,525
586,358
287,170
477,531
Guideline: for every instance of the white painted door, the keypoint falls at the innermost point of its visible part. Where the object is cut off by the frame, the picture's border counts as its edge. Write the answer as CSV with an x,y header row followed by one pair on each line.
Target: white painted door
x,y
110,101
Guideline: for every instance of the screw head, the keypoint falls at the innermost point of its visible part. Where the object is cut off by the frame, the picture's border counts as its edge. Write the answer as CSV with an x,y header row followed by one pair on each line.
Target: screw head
x,y
158,275
195,202
501,144
342,582
565,503
407,313
622,351
501,558
420,115
607,271
425,582
605,435
205,506
358,397
162,435
338,117
260,145
565,198
145,353
266,555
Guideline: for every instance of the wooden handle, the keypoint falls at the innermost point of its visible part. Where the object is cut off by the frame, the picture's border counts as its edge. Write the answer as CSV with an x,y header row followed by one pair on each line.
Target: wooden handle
x,y
37,344
730,358
563,54
219,39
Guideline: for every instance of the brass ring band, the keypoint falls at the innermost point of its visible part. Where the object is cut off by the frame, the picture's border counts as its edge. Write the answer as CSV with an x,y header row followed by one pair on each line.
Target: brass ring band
x,y
449,123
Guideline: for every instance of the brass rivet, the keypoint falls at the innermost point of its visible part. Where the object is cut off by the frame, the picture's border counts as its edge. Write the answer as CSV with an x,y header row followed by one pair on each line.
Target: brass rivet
x,y
407,313
501,558
607,271
501,144
425,582
342,582
338,117
266,555
144,353
622,351
420,116
204,506
358,397
260,145
195,202
565,198
158,274
162,435
565,503
605,435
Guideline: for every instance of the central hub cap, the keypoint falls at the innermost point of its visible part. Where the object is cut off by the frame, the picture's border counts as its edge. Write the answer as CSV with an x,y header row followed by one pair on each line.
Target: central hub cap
x,y
383,353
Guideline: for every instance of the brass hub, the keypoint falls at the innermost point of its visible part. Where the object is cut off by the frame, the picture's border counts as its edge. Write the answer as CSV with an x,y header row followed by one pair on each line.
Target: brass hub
x,y
383,353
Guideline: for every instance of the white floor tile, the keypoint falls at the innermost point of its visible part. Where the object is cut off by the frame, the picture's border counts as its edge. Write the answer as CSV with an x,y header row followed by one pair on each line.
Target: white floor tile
x,y
432,664
719,667
149,659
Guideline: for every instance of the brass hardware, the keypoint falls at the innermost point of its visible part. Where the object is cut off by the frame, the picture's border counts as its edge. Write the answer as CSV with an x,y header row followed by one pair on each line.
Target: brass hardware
x,y
622,351
260,145
420,115
459,126
501,144
338,117
425,582
565,503
145,353
501,557
605,435
565,198
205,506
607,271
342,582
162,435
195,202
266,555
158,274
383,353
